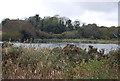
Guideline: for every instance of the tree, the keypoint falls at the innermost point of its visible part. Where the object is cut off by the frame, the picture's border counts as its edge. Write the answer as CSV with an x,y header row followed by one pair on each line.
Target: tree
x,y
53,25
36,21
69,25
5,20
90,31
76,24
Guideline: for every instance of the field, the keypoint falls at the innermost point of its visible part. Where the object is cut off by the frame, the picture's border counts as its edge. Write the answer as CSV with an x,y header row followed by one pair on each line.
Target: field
x,y
114,41
70,62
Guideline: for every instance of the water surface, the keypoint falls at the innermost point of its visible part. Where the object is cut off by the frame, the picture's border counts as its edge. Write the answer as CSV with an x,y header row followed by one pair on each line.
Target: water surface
x,y
106,47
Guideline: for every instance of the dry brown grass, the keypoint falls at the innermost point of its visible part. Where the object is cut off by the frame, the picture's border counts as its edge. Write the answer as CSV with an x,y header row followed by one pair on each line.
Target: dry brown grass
x,y
29,63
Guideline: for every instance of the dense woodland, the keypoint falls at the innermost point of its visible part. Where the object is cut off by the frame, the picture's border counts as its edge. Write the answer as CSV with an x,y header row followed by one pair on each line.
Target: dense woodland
x,y
55,27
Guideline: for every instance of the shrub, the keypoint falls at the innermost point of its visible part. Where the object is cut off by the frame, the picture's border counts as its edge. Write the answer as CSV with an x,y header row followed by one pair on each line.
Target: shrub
x,y
74,53
10,52
114,59
94,69
70,34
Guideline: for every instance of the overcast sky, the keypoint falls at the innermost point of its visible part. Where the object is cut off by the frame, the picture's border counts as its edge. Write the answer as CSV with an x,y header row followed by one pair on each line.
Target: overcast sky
x,y
103,13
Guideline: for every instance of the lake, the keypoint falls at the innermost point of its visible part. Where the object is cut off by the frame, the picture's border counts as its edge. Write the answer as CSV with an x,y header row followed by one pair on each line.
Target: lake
x,y
106,47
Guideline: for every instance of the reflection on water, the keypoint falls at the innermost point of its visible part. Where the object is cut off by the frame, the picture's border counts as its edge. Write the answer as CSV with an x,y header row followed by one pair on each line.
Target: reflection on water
x,y
106,47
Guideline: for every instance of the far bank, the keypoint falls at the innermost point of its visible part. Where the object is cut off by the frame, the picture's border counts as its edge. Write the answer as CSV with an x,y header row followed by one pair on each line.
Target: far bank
x,y
93,41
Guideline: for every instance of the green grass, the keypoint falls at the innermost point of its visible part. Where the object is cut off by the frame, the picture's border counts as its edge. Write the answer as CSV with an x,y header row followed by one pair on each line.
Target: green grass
x,y
115,41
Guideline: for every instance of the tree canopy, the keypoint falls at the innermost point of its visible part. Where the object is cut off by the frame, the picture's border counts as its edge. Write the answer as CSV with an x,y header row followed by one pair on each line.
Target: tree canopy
x,y
55,27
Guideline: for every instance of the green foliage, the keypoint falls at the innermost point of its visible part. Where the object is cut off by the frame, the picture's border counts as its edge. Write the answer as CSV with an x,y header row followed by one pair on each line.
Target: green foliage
x,y
89,31
70,34
44,35
95,69
18,29
69,25
58,36
10,52
113,58
77,24
73,53
55,27
21,30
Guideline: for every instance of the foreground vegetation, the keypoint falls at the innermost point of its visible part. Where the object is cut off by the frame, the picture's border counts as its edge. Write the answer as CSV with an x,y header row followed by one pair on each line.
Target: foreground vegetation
x,y
70,62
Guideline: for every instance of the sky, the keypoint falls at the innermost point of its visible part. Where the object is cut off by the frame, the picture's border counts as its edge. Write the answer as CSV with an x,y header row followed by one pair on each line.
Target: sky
x,y
101,12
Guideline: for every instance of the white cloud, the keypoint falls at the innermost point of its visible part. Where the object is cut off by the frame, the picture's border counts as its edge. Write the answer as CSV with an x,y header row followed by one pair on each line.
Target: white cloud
x,y
19,8
102,14
100,18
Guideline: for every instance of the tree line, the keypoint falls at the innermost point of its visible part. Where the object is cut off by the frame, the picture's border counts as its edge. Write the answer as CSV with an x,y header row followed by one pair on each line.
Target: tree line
x,y
55,27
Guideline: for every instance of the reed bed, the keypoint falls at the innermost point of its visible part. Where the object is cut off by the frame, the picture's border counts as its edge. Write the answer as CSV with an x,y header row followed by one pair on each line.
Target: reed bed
x,y
70,62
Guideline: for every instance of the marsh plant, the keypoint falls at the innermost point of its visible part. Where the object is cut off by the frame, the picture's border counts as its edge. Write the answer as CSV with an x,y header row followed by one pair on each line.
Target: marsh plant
x,y
70,62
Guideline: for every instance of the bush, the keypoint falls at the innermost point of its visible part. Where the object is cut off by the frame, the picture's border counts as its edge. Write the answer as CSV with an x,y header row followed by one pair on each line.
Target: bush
x,y
10,52
58,36
114,58
94,69
73,52
71,34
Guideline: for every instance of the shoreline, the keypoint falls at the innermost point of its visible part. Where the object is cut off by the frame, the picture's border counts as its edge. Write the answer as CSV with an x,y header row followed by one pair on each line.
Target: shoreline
x,y
78,41
92,41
